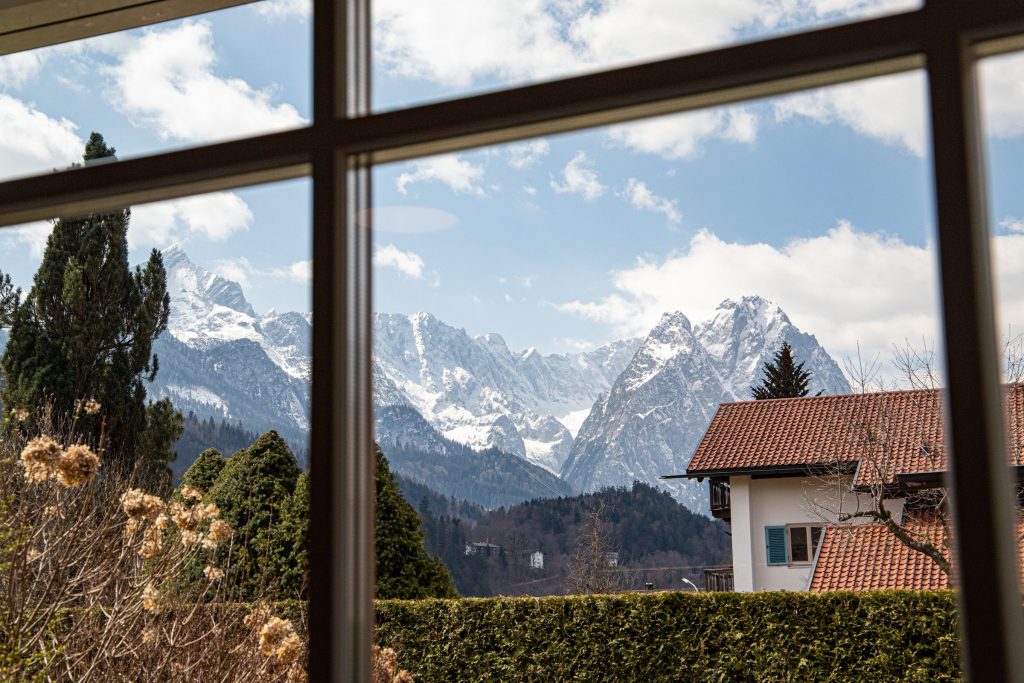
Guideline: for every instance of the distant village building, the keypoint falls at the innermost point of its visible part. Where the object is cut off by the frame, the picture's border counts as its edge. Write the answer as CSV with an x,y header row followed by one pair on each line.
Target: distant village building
x,y
486,549
535,560
611,559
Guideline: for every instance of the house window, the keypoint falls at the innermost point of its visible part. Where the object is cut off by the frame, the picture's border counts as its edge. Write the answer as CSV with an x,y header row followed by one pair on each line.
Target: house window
x,y
803,541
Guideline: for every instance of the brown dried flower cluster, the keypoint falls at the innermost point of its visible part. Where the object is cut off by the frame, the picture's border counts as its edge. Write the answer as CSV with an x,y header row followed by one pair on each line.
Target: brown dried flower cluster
x,y
190,520
91,407
139,504
191,493
77,466
18,414
279,641
213,573
152,543
385,667
43,458
40,457
150,596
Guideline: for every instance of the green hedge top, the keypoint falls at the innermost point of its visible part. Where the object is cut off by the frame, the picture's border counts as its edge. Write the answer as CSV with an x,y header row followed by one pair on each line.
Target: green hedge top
x,y
890,636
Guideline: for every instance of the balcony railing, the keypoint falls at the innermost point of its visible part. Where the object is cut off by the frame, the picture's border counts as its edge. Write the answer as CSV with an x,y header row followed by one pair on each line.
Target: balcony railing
x,y
720,502
718,580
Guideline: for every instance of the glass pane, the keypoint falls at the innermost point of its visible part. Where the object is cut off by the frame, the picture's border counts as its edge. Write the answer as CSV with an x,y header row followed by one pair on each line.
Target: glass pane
x,y
798,544
573,311
815,537
195,409
197,80
1002,101
427,51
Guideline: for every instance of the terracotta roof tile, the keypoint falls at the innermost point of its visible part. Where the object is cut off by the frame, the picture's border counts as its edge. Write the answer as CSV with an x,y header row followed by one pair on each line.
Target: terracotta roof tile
x,y
862,557
886,433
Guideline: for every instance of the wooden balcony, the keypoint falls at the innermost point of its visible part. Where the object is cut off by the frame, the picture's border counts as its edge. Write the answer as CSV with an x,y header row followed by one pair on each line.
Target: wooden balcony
x,y
720,503
718,580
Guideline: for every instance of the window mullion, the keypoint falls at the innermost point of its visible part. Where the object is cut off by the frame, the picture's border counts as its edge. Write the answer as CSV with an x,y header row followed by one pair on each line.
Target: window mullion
x,y
341,456
991,619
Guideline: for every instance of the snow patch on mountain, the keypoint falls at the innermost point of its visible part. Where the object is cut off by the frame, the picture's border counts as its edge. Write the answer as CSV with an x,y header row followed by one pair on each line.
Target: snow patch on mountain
x,y
653,417
478,392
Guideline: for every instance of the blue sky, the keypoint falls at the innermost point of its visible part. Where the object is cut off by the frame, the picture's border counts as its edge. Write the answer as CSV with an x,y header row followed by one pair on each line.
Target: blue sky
x,y
821,201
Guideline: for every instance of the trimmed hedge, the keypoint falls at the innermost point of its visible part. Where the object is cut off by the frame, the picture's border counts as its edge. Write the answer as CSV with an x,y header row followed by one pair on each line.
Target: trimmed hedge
x,y
890,636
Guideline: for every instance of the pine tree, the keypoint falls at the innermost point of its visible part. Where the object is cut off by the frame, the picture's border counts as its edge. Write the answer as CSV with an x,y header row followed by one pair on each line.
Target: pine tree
x,y
405,570
204,471
251,492
783,377
86,330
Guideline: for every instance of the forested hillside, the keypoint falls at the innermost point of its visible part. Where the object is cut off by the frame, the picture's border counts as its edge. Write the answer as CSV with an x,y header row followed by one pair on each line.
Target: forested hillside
x,y
658,541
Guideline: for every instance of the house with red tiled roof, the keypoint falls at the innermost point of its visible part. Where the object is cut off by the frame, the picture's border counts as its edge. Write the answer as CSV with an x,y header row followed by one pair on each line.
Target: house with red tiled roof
x,y
791,477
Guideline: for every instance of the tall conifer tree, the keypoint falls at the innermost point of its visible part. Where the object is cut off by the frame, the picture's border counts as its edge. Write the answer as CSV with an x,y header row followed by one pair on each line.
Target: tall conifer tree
x,y
86,330
783,377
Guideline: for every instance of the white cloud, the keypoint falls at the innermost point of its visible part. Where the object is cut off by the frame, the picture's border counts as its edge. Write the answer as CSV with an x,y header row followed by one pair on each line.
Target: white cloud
x,y
1012,224
640,196
165,79
407,263
679,136
579,178
20,67
530,190
893,109
214,216
452,170
236,269
31,235
1002,95
32,142
300,271
241,270
574,344
284,9
845,286
525,154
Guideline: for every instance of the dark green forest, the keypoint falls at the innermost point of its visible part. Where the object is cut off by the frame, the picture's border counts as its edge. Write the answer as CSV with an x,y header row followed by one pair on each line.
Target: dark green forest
x,y
658,541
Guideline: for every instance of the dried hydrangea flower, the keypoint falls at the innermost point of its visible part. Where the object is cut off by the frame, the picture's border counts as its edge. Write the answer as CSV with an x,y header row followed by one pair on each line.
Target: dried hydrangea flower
x,y
152,543
289,649
92,406
77,466
150,595
257,616
219,531
33,554
272,634
162,522
40,458
191,493
213,573
139,504
19,414
150,636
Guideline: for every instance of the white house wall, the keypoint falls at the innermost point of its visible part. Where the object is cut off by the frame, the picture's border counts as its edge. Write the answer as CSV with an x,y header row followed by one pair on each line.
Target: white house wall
x,y
758,503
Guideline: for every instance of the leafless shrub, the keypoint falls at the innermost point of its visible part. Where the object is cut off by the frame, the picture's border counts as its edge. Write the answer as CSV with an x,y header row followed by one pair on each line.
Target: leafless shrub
x,y
102,581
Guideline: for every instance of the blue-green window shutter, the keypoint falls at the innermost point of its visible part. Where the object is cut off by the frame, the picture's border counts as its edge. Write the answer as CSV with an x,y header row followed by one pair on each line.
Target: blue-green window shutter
x,y
775,540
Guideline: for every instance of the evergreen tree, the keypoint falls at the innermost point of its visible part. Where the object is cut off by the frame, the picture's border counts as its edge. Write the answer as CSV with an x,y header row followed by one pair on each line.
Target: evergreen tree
x,y
251,492
783,377
85,331
292,546
203,473
405,570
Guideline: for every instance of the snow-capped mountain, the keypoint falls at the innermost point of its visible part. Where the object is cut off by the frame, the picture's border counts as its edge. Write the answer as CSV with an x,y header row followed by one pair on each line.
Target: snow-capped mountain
x,y
655,414
220,358
478,392
743,335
